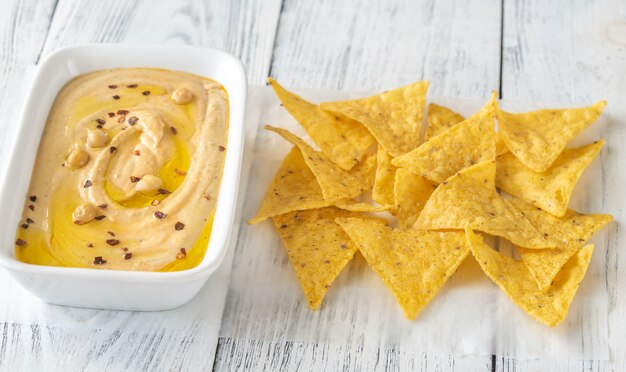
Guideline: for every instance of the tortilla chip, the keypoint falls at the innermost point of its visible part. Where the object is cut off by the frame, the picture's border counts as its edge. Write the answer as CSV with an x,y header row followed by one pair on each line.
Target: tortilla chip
x,y
353,206
440,118
571,231
343,140
294,187
571,227
514,278
550,190
385,175
500,145
335,182
393,117
470,142
537,138
545,264
469,200
318,249
413,264
411,193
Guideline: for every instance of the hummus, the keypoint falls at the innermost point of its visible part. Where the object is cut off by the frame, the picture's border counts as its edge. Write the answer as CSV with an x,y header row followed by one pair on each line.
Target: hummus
x,y
127,173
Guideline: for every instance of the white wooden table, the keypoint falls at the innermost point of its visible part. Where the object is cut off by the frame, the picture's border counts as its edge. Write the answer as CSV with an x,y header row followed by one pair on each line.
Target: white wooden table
x,y
557,51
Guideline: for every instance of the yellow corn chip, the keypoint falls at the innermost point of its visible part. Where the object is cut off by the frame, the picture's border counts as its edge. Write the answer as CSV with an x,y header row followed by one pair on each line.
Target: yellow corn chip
x,y
413,264
550,190
470,142
537,138
318,249
294,187
411,193
469,200
571,231
393,117
353,206
512,276
335,182
500,145
440,118
385,175
571,227
343,140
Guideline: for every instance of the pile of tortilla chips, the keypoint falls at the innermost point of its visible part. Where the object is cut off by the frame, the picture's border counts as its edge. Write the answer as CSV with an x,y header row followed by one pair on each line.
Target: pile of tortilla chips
x,y
428,203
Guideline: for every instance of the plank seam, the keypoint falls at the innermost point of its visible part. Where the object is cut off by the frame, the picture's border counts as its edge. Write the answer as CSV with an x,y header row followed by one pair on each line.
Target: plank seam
x,y
45,39
280,15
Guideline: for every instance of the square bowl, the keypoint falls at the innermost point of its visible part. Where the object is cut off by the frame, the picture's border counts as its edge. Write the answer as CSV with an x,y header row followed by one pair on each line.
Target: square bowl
x,y
114,289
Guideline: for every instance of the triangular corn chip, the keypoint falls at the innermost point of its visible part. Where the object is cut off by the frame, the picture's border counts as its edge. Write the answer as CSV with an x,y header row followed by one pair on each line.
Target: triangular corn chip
x,y
335,182
470,142
318,249
411,193
393,117
343,140
413,264
514,278
382,192
571,231
500,145
550,190
352,206
537,138
469,200
440,118
571,227
294,187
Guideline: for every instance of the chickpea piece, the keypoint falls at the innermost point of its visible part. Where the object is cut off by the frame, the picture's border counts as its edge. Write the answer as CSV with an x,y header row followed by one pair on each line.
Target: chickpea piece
x,y
77,158
84,213
149,184
97,138
182,96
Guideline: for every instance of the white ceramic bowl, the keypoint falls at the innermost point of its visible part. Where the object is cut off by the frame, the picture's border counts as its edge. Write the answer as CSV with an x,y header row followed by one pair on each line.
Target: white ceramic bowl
x,y
108,289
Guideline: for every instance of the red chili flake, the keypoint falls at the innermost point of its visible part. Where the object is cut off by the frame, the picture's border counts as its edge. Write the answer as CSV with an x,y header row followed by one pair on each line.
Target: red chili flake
x,y
173,130
182,254
111,233
100,217
134,179
183,251
206,196
145,92
113,242
99,126
116,97
222,148
132,120
24,226
100,121
179,226
87,184
99,260
90,245
283,226
128,256
122,112
33,198
103,206
112,149
28,220
125,249
121,118
137,152
20,242
111,114
160,215
164,192
132,86
31,207
180,172
112,86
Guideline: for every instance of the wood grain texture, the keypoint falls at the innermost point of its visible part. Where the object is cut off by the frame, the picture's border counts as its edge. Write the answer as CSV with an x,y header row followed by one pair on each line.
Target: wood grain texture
x,y
575,52
375,45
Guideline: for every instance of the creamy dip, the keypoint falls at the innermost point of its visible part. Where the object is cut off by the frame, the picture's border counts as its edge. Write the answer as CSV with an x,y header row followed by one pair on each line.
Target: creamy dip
x,y
127,173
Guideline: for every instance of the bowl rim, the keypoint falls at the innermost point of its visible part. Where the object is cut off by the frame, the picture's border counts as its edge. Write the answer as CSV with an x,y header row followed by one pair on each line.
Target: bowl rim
x,y
227,201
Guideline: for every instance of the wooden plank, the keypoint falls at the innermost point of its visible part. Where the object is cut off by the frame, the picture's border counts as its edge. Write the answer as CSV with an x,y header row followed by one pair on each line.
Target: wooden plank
x,y
356,45
575,52
375,45
135,341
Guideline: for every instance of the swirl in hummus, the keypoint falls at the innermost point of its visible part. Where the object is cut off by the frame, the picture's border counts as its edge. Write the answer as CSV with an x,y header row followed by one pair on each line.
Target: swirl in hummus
x,y
127,173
